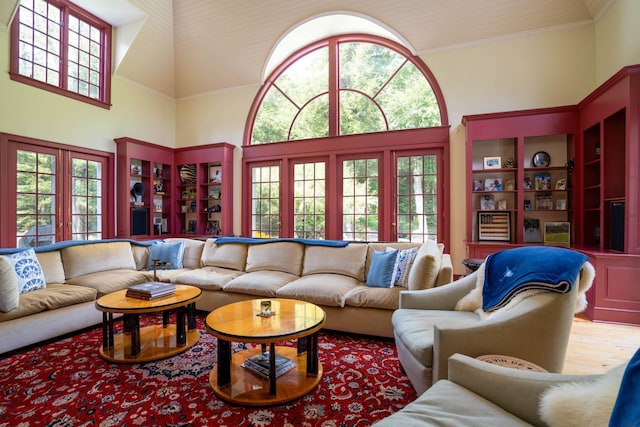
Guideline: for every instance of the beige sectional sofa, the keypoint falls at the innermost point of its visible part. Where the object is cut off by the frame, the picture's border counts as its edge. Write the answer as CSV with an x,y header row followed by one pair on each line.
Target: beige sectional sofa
x,y
77,273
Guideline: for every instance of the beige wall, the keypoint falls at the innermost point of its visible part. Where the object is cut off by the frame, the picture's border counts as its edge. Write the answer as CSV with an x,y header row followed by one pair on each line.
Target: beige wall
x,y
533,70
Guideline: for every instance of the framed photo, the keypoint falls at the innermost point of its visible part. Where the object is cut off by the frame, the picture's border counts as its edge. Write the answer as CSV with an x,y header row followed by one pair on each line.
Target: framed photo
x,y
542,181
487,202
561,184
501,205
561,204
494,162
215,174
528,185
494,226
544,202
557,233
477,185
532,232
493,184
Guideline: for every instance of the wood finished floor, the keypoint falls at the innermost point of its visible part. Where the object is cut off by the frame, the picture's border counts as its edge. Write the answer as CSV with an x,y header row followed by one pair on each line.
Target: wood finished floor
x,y
596,347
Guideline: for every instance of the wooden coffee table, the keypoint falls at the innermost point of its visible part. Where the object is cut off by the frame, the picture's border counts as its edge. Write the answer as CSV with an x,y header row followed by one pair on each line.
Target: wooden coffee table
x,y
152,342
240,322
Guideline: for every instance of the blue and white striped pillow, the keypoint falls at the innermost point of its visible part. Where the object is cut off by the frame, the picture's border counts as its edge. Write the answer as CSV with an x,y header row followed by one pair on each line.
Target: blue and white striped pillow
x,y
401,269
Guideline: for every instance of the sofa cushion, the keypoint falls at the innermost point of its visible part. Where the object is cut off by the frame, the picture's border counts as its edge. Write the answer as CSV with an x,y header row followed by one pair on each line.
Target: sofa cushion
x,y
324,289
381,269
192,251
105,282
210,278
85,259
168,253
229,255
164,275
260,283
426,266
27,269
367,296
414,327
54,296
402,266
9,293
383,246
348,260
140,255
448,404
51,263
277,256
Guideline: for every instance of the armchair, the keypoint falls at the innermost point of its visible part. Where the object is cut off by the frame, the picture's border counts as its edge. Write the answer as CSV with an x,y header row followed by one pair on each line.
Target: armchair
x,y
428,330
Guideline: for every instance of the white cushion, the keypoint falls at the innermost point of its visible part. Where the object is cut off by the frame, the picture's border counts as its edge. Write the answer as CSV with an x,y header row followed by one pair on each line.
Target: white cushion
x,y
277,256
229,255
91,258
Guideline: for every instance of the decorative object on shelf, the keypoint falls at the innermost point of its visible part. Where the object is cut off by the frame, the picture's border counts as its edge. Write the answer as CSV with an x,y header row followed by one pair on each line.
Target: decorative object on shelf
x,y
542,181
541,159
216,208
510,185
532,232
597,148
137,190
557,233
183,208
135,170
493,184
185,194
215,174
494,226
214,193
527,205
192,226
509,163
493,162
561,184
213,228
501,205
570,165
544,202
192,207
477,185
487,202
188,174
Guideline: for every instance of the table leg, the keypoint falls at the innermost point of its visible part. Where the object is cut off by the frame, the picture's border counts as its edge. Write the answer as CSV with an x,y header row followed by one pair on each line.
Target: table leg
x,y
302,344
191,316
224,362
165,318
132,327
181,332
272,369
107,330
312,354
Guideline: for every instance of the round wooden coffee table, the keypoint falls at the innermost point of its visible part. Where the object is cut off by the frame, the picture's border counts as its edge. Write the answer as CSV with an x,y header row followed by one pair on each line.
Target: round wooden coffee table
x,y
241,322
152,342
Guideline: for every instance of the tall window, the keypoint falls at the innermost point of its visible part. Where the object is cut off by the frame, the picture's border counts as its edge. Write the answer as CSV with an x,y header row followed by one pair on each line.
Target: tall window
x,y
59,47
265,199
375,112
53,193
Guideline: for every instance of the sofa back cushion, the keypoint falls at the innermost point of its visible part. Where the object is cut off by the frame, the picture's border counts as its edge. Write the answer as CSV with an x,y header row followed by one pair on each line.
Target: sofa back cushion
x,y
228,255
349,260
141,255
91,258
426,266
52,267
277,256
192,255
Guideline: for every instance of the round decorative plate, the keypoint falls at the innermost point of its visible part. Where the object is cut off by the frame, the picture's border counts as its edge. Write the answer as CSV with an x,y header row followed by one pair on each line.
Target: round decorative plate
x,y
541,159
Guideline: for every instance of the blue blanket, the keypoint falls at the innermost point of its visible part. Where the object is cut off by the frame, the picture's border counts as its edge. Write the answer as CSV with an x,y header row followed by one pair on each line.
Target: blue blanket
x,y
310,242
511,271
626,411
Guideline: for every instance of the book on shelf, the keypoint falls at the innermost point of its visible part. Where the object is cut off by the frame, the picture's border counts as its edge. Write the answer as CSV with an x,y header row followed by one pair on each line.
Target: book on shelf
x,y
260,364
151,290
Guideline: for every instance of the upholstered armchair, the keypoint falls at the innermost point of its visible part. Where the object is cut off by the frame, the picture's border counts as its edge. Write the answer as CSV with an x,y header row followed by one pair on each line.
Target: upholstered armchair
x,y
534,326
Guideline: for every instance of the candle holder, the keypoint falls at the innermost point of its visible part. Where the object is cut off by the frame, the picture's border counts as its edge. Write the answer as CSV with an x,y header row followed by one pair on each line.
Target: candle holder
x,y
265,309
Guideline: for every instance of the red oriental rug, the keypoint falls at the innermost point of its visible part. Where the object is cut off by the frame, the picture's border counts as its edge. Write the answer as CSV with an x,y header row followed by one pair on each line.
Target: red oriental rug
x,y
66,383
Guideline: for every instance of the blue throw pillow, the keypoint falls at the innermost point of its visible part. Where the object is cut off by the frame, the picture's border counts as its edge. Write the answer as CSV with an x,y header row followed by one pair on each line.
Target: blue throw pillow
x,y
626,411
169,253
381,269
28,270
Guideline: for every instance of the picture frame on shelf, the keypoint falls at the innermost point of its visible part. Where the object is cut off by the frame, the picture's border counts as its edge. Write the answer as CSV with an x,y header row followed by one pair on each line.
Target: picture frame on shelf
x,y
215,174
532,232
492,162
477,185
487,202
493,184
528,183
557,233
561,204
494,226
510,185
561,184
544,202
501,205
527,205
542,181
214,193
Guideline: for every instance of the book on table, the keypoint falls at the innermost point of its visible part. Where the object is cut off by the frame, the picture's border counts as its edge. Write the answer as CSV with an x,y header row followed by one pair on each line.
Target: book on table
x,y
260,364
151,290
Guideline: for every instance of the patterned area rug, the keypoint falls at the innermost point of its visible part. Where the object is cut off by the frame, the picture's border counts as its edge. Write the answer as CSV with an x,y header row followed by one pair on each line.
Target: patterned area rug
x,y
66,383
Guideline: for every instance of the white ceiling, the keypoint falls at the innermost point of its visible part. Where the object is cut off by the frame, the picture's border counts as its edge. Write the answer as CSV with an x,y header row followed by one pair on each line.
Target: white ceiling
x,y
184,48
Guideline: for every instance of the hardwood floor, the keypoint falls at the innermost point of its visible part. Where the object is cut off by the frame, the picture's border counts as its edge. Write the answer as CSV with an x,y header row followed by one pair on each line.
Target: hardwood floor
x,y
596,347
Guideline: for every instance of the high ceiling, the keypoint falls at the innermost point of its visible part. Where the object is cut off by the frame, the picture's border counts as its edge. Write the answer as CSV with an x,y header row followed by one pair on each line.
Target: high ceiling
x,y
184,48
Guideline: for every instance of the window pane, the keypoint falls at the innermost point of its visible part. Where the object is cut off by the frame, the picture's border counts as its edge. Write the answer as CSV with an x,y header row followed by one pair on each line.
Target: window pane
x,y
360,200
273,119
359,114
306,78
308,200
313,121
265,202
417,205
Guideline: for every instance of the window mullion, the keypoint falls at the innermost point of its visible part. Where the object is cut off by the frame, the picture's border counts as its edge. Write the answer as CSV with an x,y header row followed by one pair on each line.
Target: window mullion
x,y
334,90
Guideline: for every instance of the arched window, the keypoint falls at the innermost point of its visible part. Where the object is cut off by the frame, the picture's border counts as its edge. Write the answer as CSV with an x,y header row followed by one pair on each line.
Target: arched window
x,y
354,129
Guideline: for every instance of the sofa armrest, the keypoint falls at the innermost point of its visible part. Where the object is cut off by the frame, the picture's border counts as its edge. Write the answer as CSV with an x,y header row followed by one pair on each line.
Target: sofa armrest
x,y
439,298
516,391
445,275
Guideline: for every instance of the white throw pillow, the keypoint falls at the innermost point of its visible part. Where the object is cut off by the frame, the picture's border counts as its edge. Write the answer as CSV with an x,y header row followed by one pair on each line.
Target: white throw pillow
x,y
28,270
403,264
9,293
582,403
